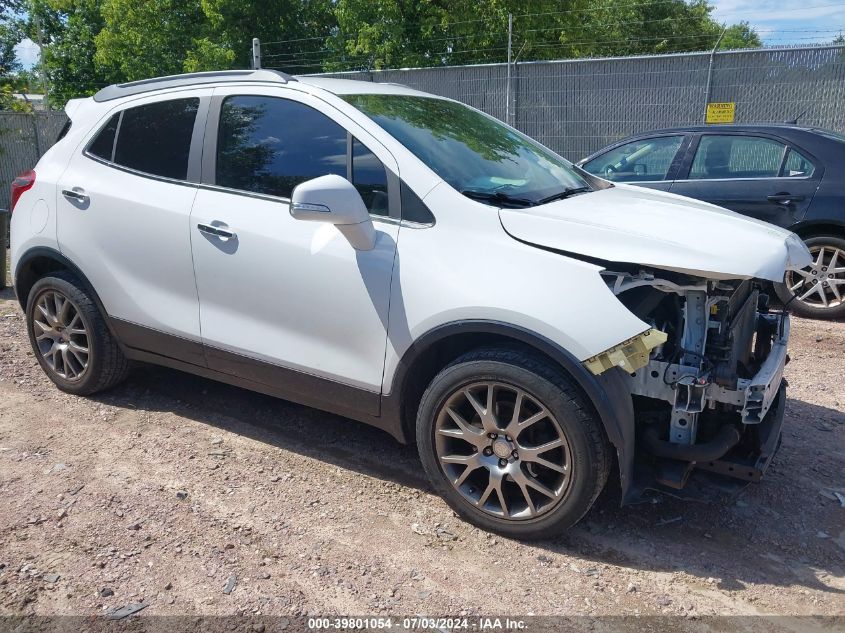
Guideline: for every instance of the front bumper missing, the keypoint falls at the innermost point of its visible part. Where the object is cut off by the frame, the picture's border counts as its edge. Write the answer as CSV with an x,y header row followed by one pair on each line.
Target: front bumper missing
x,y
754,396
751,466
761,390
730,473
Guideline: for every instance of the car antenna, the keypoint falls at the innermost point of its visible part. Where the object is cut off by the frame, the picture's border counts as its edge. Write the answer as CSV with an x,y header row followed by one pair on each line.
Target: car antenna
x,y
795,120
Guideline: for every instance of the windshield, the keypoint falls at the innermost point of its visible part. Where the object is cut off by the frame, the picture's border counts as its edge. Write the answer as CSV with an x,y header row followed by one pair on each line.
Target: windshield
x,y
474,153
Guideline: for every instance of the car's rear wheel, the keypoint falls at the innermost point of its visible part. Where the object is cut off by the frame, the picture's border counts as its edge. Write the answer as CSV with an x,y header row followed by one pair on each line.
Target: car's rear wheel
x,y
69,336
818,291
511,444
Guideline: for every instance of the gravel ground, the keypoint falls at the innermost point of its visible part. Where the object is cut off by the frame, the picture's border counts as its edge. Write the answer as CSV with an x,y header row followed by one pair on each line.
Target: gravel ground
x,y
193,497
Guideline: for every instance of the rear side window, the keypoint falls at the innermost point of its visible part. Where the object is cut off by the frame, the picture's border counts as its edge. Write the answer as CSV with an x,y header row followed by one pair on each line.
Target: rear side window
x,y
103,145
269,145
156,138
736,157
797,165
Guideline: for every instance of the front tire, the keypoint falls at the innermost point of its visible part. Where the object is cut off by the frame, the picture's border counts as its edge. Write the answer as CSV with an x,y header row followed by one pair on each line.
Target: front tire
x,y
511,444
69,337
818,291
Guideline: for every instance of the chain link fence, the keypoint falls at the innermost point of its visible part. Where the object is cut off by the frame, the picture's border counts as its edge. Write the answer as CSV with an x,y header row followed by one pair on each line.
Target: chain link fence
x,y
578,106
23,139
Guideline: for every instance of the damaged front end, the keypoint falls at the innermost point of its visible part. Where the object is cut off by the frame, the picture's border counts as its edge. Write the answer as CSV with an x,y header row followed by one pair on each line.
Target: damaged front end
x,y
706,380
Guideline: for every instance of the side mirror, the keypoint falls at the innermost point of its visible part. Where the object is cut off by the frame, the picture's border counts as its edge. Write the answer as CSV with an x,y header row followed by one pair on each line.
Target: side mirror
x,y
334,200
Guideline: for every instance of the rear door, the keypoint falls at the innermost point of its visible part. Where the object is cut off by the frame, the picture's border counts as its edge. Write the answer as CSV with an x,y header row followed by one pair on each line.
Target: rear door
x,y
758,175
123,208
647,162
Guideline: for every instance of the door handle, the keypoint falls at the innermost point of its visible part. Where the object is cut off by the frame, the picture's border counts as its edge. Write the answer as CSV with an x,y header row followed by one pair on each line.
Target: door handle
x,y
784,198
75,194
216,231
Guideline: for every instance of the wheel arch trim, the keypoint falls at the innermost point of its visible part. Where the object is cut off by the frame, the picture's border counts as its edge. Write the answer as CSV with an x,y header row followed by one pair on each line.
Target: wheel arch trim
x,y
50,253
607,392
816,228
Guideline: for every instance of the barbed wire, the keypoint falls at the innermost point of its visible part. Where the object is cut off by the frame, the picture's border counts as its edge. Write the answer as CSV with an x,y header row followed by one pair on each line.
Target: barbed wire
x,y
326,57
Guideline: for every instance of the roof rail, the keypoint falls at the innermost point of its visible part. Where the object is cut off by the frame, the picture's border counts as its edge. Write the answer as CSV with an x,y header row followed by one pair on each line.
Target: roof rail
x,y
116,91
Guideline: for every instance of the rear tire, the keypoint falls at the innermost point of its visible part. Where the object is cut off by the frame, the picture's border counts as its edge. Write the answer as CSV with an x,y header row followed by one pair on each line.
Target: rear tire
x,y
70,338
493,475
828,267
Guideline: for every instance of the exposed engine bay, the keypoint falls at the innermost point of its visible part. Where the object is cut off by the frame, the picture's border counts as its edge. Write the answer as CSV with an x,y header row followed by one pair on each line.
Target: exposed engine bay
x,y
706,380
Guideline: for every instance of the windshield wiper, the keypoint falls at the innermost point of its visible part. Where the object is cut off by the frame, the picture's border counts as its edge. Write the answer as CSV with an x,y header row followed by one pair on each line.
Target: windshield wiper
x,y
497,196
569,191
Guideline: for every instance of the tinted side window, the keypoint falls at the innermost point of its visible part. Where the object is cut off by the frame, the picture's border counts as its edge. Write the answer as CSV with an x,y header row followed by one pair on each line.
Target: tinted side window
x,y
736,157
103,145
369,178
413,208
797,165
63,132
156,138
638,161
269,145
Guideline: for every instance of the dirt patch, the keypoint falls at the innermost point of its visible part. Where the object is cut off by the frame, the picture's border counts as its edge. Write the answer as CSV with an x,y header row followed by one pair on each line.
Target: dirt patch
x,y
195,497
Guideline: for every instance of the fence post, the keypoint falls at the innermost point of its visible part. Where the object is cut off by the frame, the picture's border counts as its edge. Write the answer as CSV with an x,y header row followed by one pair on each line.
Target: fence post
x,y
256,53
710,72
508,85
4,236
34,119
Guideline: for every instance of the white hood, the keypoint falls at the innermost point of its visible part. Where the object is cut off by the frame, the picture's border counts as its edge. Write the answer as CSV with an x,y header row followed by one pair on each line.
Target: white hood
x,y
641,226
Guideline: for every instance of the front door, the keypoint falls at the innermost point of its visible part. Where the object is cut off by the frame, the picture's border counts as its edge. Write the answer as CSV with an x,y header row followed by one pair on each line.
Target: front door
x,y
283,302
758,176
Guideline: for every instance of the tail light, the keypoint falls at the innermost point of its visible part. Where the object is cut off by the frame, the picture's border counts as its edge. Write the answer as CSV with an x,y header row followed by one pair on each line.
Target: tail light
x,y
20,184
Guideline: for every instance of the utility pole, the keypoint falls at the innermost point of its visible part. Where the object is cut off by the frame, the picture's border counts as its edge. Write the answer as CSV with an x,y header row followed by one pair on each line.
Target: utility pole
x,y
40,36
256,53
710,71
508,86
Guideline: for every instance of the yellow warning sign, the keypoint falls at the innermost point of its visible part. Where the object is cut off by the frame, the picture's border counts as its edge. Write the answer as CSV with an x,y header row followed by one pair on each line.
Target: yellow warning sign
x,y
721,112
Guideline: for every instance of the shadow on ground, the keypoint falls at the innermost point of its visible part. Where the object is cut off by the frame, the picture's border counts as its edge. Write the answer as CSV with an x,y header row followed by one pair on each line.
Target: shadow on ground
x,y
760,537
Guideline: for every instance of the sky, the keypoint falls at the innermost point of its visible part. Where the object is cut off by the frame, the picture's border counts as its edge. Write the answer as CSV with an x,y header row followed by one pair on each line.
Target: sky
x,y
786,22
779,22
27,53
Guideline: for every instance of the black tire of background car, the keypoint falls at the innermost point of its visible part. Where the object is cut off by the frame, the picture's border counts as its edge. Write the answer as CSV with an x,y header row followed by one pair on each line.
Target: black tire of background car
x,y
107,366
590,449
799,307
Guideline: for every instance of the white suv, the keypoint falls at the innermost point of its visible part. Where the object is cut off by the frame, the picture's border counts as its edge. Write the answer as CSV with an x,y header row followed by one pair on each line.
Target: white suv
x,y
412,263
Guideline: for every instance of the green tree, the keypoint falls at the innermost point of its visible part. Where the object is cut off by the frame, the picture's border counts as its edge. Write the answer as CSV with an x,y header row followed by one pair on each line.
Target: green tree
x,y
233,24
740,36
69,54
10,35
146,38
395,33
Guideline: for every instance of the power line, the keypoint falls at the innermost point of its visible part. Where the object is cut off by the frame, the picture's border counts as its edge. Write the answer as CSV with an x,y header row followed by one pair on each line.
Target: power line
x,y
446,25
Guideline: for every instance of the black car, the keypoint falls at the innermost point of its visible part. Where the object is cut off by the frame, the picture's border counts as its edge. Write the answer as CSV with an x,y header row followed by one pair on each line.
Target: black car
x,y
788,175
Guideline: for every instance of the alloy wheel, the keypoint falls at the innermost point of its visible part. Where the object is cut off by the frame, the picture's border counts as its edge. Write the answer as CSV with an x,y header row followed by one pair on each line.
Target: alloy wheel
x,y
822,283
503,450
61,335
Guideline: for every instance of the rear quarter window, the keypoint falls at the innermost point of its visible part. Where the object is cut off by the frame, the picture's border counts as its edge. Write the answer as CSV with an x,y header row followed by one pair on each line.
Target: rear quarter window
x,y
103,144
